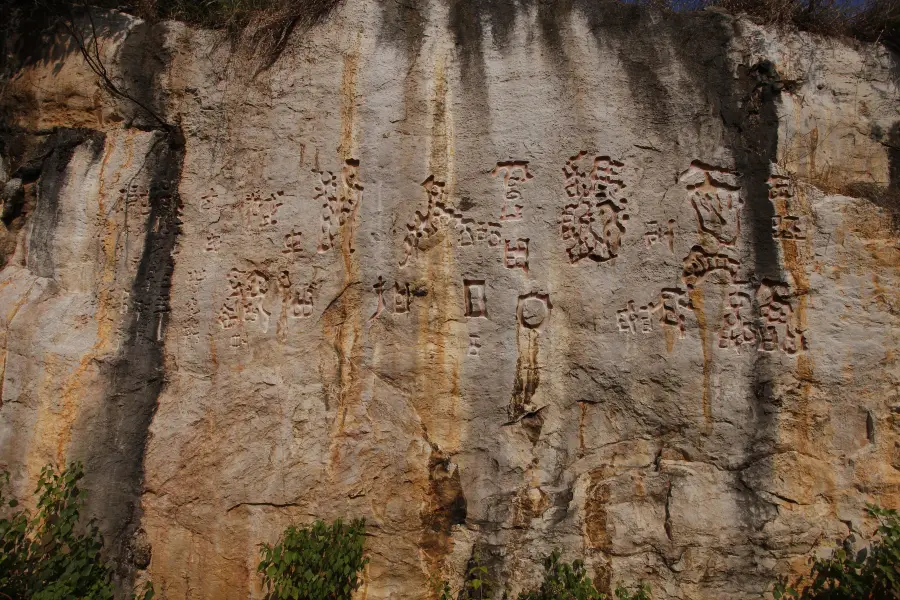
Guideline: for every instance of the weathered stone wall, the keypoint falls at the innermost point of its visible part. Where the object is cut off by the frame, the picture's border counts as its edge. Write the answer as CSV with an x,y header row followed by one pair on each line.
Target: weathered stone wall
x,y
500,277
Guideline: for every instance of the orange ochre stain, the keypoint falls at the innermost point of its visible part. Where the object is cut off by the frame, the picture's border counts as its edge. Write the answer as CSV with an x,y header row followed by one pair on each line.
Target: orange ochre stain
x,y
436,399
795,262
56,425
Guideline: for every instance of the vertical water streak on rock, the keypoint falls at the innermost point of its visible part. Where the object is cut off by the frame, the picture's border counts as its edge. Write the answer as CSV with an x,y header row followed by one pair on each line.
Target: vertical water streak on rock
x,y
105,314
342,321
114,437
348,104
348,146
436,398
527,376
58,150
53,425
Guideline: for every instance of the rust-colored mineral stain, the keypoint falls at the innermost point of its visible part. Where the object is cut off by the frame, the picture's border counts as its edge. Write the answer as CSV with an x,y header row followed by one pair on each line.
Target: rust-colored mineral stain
x,y
439,159
105,315
795,262
696,296
436,399
528,375
348,104
596,512
346,149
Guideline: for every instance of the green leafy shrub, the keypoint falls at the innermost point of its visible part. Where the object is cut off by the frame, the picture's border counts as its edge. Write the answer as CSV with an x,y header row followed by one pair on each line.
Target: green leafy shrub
x,y
871,573
478,584
50,555
318,562
564,581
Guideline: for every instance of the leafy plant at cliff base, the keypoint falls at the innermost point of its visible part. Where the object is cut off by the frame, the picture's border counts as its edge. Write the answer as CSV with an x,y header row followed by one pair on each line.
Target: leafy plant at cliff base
x,y
872,573
318,562
564,581
478,585
440,588
50,555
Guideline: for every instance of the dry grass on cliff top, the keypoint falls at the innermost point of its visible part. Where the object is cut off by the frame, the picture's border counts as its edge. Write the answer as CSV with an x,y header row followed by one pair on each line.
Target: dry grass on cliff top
x,y
867,20
264,26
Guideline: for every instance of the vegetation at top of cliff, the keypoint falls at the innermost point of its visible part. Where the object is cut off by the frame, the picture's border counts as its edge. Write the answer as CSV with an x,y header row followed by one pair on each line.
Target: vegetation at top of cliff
x,y
569,581
260,27
869,573
866,20
51,554
318,562
264,26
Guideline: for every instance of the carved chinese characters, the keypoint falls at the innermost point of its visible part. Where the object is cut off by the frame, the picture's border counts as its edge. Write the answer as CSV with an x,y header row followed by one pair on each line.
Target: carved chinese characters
x,y
339,204
715,195
755,315
515,172
396,299
251,293
762,318
293,244
776,311
378,287
785,226
440,220
191,323
668,309
476,299
261,212
474,344
593,222
533,310
655,233
515,254
738,326
700,264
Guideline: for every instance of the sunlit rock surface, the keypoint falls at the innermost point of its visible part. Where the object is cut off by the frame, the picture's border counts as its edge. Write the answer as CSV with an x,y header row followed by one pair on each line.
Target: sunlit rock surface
x,y
497,277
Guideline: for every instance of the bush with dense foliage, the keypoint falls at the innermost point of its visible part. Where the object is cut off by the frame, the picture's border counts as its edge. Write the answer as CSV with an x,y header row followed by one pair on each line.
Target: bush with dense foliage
x,y
569,581
319,562
870,573
51,555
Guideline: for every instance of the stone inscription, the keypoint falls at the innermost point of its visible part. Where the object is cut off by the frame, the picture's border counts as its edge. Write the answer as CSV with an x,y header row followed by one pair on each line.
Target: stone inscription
x,y
515,254
401,294
667,309
515,173
769,328
247,299
261,212
715,195
533,310
785,226
474,345
339,203
593,222
440,220
700,264
192,309
655,234
476,298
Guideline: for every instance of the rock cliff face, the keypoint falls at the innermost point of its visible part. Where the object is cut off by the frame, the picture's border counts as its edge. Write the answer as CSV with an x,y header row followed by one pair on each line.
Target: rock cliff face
x,y
498,277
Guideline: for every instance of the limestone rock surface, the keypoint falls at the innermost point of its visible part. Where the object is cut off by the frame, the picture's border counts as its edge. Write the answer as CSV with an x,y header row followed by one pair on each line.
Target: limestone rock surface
x,y
498,277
